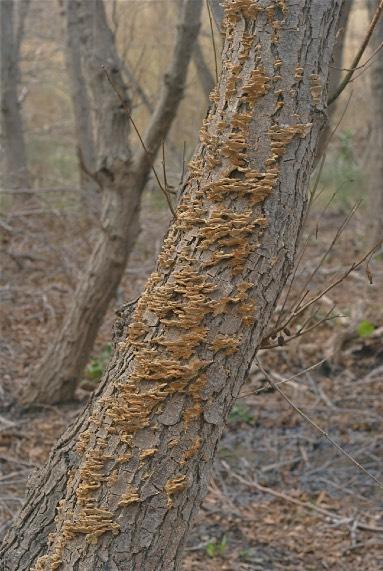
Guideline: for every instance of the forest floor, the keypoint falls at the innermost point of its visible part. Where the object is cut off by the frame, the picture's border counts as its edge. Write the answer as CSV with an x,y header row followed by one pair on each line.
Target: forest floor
x,y
281,496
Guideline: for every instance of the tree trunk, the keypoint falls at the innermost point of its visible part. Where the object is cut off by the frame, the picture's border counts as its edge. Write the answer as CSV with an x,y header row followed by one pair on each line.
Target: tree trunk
x,y
81,109
216,12
13,144
128,477
375,158
123,179
335,77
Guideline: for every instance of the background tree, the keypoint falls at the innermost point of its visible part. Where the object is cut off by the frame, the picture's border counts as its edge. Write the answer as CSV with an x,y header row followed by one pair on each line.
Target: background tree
x,y
128,477
335,75
11,33
81,106
122,178
375,155
205,76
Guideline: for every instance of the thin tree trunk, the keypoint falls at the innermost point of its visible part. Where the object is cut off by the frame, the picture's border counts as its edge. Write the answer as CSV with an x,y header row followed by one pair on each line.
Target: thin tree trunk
x,y
81,108
128,477
375,157
136,87
217,12
335,76
123,180
15,160
205,76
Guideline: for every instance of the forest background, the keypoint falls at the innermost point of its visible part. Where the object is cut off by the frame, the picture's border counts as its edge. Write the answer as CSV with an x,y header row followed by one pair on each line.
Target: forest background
x,y
278,486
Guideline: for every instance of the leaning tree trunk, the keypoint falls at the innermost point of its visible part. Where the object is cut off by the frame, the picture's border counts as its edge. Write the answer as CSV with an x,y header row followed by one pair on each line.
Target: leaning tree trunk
x,y
13,144
375,156
123,179
121,487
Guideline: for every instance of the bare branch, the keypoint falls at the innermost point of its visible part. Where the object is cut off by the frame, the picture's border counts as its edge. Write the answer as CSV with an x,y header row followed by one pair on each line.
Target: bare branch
x,y
361,50
299,308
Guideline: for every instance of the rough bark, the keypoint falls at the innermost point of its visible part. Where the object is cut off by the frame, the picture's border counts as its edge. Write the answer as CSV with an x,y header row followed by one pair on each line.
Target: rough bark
x,y
128,479
81,108
15,160
123,179
375,156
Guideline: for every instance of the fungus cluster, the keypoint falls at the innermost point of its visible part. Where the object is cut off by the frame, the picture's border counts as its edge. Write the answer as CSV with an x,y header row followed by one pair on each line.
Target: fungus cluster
x,y
174,486
315,88
170,342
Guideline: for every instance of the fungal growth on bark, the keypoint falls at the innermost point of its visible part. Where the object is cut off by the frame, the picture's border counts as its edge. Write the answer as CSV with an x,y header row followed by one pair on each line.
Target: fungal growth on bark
x,y
144,455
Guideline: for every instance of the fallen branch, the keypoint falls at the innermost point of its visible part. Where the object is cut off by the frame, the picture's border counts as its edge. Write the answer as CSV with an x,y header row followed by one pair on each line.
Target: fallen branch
x,y
338,519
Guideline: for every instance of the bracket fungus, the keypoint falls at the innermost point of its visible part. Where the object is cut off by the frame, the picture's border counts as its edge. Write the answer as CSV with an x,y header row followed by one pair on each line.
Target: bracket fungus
x,y
219,223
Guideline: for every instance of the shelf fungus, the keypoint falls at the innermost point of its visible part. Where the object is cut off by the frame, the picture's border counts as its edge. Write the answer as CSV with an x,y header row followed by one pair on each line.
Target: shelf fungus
x,y
192,451
174,486
131,496
220,221
257,86
315,88
231,85
226,343
299,73
147,453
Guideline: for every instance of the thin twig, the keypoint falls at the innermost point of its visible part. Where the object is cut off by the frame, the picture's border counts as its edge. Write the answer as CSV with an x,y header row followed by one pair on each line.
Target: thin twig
x,y
313,197
338,234
288,380
317,427
317,178
166,186
361,50
37,190
303,331
93,176
295,311
183,162
311,507
375,52
340,120
298,309
355,77
336,282
297,265
164,167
